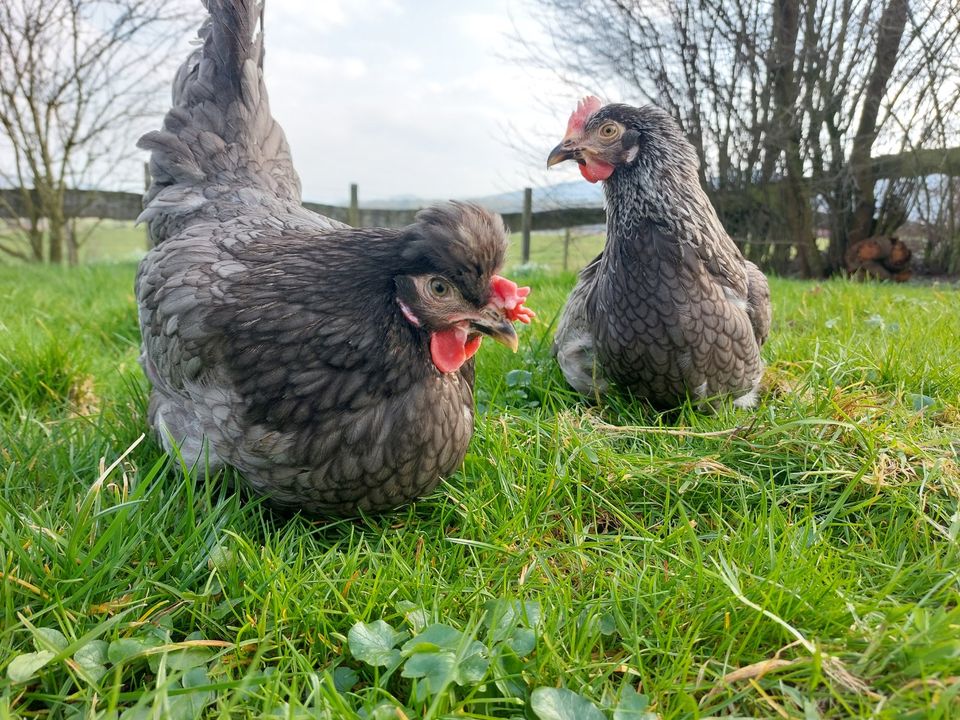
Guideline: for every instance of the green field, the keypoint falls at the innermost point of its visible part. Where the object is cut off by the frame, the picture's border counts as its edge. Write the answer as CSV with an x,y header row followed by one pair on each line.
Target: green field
x,y
798,561
98,240
118,240
546,250
115,240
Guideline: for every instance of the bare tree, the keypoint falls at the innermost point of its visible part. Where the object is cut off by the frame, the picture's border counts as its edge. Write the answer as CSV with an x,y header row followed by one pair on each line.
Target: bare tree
x,y
787,103
880,74
77,78
939,211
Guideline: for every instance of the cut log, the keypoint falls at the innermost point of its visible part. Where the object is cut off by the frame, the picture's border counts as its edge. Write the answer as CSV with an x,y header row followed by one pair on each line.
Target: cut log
x,y
872,270
879,257
899,258
872,248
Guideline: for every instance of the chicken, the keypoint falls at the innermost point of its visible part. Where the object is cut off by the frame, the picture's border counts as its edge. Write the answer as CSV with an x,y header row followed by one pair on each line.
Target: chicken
x,y
332,366
670,309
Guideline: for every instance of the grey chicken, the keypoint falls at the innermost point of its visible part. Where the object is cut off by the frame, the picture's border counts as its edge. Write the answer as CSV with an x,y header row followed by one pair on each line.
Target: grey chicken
x,y
330,365
670,308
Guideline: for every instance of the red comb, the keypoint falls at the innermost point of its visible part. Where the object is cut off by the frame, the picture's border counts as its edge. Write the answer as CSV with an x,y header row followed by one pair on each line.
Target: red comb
x,y
509,298
585,108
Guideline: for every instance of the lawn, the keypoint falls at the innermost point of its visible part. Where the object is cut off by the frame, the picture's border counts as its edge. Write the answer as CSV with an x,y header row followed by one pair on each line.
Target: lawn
x,y
798,561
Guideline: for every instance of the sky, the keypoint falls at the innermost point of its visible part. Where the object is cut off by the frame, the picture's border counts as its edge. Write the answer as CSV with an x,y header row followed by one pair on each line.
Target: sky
x,y
412,98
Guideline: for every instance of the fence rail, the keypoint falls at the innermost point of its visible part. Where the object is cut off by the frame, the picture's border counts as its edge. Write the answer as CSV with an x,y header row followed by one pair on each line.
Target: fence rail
x,y
113,205
127,206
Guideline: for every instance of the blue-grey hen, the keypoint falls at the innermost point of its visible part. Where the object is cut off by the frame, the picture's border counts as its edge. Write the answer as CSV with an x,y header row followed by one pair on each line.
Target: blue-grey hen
x,y
670,309
332,366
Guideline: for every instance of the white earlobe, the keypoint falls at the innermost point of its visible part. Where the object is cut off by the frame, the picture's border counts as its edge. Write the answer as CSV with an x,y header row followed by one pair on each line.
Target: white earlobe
x,y
632,153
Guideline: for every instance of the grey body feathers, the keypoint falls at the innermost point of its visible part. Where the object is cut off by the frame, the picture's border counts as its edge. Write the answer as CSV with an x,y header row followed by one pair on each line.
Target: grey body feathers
x,y
670,309
271,335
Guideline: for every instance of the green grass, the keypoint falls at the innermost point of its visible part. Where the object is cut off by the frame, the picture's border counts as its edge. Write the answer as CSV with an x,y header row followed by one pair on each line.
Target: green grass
x,y
110,240
100,241
811,544
546,250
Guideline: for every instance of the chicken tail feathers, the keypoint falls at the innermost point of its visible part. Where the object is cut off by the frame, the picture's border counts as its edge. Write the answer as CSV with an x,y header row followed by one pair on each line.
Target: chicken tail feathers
x,y
219,141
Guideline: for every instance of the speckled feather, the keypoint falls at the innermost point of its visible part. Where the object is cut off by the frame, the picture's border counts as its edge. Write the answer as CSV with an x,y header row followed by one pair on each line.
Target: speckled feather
x,y
271,335
670,308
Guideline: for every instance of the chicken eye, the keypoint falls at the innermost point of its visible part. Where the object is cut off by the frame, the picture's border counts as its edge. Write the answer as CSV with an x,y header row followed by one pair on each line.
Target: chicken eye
x,y
609,131
438,287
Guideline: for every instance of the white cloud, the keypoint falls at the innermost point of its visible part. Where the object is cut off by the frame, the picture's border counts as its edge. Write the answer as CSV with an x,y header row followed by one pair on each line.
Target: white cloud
x,y
326,16
353,68
409,63
292,67
411,99
485,26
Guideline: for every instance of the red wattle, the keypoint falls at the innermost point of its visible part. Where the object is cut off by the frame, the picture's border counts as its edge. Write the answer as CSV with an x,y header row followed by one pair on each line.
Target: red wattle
x,y
595,170
449,348
472,345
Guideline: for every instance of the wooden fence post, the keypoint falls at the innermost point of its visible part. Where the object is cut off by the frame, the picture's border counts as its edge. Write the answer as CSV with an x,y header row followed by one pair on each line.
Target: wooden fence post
x,y
566,247
526,222
353,215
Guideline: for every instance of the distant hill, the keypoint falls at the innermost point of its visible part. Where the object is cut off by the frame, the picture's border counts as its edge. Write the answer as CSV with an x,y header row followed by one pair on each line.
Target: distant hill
x,y
551,197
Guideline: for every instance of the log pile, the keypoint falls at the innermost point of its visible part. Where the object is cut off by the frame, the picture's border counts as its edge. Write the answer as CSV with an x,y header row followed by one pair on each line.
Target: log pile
x,y
880,257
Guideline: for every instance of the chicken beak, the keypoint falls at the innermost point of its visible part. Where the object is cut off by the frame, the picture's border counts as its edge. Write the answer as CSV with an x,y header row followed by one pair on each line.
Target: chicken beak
x,y
563,151
493,323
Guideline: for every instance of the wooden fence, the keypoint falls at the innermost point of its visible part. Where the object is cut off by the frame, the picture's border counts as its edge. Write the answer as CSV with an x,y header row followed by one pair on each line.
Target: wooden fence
x,y
127,206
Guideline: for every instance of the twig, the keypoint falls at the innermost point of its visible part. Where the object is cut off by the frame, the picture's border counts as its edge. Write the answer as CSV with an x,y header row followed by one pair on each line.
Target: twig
x,y
26,585
832,665
113,465
654,430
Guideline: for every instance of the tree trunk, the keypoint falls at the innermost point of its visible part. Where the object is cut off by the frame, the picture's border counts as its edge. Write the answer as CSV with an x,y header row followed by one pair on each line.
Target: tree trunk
x,y
34,231
786,129
55,241
35,235
54,198
860,221
73,243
